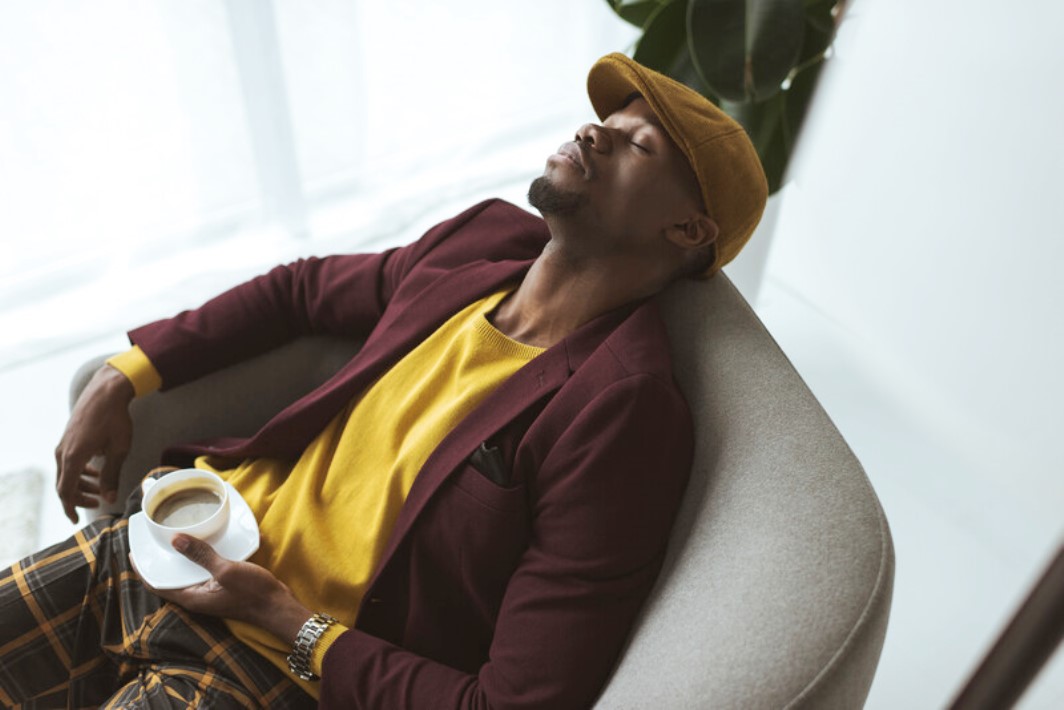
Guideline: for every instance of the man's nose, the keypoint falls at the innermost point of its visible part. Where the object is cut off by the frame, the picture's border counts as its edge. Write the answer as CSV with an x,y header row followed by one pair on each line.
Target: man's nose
x,y
596,137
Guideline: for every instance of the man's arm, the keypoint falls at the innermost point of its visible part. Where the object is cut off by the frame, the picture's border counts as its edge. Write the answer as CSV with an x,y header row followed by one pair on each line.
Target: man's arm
x,y
339,295
343,295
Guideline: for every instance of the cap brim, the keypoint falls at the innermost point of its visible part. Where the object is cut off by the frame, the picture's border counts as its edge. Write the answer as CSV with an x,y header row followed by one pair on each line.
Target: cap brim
x,y
613,79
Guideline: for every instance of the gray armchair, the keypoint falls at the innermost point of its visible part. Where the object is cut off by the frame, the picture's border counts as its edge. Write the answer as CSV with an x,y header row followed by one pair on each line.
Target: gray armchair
x,y
777,585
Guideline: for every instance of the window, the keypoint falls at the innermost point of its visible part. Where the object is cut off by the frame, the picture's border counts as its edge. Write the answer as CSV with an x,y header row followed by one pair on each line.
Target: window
x,y
154,152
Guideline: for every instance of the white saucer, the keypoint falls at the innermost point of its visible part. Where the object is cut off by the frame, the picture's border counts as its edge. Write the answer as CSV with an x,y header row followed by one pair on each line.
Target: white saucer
x,y
166,568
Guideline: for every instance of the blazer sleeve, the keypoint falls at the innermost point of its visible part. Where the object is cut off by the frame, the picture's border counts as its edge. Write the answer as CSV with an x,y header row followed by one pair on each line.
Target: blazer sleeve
x,y
338,295
607,496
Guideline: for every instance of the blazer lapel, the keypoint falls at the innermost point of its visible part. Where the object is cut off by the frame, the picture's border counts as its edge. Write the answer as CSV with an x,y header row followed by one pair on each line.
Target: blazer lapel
x,y
539,378
409,320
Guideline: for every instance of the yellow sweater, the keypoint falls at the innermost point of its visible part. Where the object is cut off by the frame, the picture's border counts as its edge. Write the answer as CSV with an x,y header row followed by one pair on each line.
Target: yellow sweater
x,y
324,520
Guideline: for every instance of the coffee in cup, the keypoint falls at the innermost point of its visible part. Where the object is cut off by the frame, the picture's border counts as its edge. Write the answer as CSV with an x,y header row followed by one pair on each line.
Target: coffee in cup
x,y
188,501
186,507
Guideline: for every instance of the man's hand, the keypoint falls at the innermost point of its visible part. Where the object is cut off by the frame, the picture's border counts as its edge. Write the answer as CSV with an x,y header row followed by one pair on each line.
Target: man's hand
x,y
99,425
241,591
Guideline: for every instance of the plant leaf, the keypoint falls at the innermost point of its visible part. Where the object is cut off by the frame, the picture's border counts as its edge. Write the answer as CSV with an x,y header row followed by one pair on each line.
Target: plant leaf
x,y
684,72
819,30
774,124
636,12
664,38
744,49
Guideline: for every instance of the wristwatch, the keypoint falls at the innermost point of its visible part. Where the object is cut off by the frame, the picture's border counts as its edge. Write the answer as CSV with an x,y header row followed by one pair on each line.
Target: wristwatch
x,y
306,640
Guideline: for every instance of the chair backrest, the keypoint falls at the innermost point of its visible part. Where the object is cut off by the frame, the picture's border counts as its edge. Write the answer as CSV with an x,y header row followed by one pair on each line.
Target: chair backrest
x,y
777,585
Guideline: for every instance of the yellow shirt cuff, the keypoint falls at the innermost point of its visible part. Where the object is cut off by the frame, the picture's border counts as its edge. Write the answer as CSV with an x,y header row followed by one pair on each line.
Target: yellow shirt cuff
x,y
136,366
317,658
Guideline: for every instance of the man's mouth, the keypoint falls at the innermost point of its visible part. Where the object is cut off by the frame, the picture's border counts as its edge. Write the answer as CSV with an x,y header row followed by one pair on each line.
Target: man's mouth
x,y
576,152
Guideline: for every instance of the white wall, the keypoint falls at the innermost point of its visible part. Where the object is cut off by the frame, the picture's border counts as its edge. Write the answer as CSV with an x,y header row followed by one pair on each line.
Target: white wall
x,y
922,226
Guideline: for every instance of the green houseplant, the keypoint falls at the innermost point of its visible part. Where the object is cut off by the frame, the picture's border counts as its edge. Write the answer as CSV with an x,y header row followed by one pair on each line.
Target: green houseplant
x,y
759,60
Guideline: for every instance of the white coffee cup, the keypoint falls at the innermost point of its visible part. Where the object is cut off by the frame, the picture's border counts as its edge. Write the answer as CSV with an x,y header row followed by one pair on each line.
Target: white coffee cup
x,y
188,501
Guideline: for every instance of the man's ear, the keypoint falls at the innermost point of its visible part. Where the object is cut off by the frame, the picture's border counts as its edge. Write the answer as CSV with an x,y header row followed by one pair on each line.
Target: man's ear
x,y
696,232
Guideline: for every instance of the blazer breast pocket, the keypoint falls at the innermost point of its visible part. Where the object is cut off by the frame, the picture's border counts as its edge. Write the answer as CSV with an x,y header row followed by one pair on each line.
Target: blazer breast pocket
x,y
475,484
489,461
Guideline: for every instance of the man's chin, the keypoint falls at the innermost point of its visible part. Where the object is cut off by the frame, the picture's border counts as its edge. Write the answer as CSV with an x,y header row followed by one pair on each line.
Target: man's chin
x,y
550,199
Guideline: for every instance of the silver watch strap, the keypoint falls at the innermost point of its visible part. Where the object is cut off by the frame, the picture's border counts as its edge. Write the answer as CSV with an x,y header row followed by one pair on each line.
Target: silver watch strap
x,y
306,640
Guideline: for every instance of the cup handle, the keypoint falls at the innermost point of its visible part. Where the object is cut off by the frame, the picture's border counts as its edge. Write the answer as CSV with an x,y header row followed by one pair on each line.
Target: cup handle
x,y
147,483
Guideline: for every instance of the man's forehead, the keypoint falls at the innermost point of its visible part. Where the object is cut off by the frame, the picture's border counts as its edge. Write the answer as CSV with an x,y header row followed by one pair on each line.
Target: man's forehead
x,y
636,106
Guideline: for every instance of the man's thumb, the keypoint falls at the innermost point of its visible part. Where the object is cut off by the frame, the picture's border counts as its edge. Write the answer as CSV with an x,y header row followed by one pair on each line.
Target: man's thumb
x,y
197,550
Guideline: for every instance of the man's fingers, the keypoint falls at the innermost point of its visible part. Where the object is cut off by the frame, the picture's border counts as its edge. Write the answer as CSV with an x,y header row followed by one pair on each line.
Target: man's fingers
x,y
61,488
109,475
80,491
86,501
99,424
199,552
90,486
66,484
70,510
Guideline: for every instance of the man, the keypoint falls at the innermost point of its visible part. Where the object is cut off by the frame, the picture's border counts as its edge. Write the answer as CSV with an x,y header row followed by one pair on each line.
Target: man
x,y
471,512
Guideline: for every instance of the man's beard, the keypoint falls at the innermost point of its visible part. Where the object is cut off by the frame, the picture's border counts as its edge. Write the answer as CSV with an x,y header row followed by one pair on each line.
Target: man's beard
x,y
546,197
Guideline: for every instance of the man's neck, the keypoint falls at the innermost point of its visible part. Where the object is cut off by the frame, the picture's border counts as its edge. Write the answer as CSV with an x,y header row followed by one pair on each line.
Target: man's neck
x,y
560,293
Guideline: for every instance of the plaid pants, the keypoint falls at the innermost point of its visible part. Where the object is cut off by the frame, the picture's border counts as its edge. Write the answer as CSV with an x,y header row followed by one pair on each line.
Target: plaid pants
x,y
79,630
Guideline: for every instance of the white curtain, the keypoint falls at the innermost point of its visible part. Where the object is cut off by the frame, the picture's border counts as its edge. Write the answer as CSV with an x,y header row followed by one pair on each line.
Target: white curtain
x,y
153,152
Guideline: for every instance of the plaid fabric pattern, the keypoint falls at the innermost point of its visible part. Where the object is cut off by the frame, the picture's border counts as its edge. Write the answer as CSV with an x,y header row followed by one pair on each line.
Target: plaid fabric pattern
x,y
79,630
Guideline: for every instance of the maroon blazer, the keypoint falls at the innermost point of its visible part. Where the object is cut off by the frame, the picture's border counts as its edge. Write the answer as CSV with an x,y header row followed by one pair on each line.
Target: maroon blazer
x,y
503,596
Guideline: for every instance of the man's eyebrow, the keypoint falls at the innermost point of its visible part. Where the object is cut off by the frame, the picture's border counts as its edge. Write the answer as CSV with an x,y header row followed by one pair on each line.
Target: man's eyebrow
x,y
630,98
653,120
